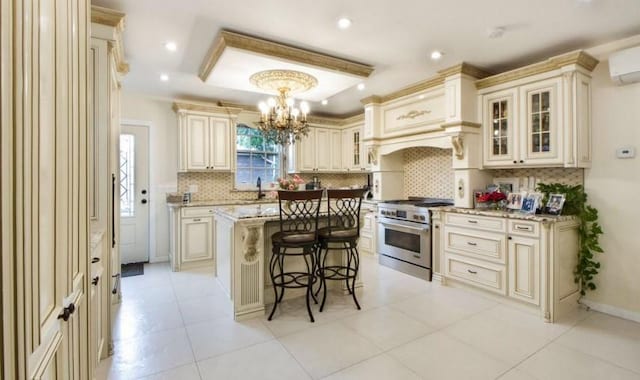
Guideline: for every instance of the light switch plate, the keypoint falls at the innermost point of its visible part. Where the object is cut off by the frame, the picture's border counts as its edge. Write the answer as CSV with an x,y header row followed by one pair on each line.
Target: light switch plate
x,y
626,152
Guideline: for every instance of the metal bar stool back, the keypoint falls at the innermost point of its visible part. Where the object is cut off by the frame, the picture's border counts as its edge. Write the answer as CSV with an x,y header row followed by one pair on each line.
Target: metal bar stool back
x,y
340,236
298,237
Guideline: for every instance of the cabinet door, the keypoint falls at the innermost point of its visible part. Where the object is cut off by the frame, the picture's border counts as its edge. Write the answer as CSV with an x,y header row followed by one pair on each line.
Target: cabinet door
x,y
500,132
541,112
198,142
323,149
524,269
196,239
220,144
336,150
306,152
357,148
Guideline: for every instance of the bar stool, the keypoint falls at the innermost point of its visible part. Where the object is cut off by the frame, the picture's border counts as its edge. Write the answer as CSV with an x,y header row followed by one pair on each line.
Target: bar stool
x,y
298,237
340,236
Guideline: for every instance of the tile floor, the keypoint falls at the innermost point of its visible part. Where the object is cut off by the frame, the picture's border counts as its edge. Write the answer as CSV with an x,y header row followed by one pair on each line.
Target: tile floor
x,y
176,326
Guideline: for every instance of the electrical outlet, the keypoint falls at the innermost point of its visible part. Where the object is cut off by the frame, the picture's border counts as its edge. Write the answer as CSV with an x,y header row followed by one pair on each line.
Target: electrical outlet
x,y
626,152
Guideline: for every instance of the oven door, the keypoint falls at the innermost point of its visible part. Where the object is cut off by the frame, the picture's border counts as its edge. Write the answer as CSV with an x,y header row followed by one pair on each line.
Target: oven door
x,y
406,241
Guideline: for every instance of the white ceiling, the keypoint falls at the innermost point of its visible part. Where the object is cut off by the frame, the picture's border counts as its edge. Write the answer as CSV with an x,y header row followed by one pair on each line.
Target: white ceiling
x,y
396,37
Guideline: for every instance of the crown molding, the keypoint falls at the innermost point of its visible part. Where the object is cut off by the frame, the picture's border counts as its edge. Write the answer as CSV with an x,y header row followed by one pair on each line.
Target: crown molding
x,y
465,68
219,108
236,40
108,17
578,57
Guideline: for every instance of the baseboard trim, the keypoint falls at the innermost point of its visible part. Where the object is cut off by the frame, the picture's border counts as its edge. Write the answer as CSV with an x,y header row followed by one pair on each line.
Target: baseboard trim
x,y
161,259
612,310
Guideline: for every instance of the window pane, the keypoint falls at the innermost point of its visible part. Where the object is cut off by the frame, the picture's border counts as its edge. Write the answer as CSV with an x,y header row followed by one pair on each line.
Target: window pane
x,y
127,175
255,158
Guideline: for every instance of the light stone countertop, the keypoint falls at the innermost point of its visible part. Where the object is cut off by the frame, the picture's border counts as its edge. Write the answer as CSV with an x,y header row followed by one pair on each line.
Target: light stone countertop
x,y
269,211
545,218
367,204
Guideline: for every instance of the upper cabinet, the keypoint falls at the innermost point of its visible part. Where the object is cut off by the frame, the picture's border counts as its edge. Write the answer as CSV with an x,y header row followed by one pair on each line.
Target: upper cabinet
x,y
541,120
316,152
205,137
354,157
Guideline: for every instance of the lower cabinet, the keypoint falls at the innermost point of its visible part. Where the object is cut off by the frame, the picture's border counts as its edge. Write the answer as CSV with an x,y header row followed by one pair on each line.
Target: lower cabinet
x,y
191,240
367,241
529,262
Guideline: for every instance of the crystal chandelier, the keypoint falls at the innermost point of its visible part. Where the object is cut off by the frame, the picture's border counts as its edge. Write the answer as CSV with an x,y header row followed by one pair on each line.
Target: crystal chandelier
x,y
281,121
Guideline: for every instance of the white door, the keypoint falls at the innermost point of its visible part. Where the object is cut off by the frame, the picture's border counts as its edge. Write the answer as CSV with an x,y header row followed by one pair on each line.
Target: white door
x,y
134,194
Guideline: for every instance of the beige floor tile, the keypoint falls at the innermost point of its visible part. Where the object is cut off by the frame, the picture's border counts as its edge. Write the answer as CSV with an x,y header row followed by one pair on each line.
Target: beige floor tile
x,y
186,372
149,354
381,367
438,356
135,319
438,312
516,374
504,333
385,327
264,361
328,348
613,339
141,294
196,310
223,335
562,363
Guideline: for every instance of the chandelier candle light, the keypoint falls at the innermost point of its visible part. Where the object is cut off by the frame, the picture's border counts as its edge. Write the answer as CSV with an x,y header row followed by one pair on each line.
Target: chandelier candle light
x,y
281,121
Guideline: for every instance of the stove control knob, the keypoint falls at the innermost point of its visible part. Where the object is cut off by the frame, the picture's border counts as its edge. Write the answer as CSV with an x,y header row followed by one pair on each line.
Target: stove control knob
x,y
416,217
422,217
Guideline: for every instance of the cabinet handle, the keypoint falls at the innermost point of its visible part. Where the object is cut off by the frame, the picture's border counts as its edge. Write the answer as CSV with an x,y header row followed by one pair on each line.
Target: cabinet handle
x,y
515,162
510,238
472,271
95,280
67,311
437,226
523,228
95,260
472,221
196,220
472,244
522,161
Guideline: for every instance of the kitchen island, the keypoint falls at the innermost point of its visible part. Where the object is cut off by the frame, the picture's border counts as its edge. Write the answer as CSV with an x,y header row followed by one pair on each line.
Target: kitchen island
x,y
242,250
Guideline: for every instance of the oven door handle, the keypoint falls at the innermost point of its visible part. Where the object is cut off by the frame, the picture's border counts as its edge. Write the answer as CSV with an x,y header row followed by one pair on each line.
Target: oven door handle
x,y
397,225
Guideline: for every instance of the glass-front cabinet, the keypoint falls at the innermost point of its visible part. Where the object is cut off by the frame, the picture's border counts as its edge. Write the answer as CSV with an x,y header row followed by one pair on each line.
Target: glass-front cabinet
x,y
542,141
521,125
499,111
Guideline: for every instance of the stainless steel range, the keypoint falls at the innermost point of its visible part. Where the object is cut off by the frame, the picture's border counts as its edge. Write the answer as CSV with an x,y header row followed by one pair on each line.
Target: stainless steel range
x,y
404,234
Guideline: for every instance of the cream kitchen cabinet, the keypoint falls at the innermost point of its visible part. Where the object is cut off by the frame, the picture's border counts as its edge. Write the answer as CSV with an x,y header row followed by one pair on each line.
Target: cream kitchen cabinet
x,y
319,151
367,241
528,261
353,153
206,137
191,238
541,120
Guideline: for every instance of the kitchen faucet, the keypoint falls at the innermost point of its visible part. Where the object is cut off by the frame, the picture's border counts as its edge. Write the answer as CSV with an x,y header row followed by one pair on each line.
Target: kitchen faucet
x,y
259,185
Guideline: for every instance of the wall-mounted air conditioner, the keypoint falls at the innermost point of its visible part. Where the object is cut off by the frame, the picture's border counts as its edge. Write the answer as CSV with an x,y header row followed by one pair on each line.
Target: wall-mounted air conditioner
x,y
624,66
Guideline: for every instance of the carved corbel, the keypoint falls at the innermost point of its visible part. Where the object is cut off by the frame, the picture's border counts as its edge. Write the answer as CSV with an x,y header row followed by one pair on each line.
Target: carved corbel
x,y
372,153
458,146
250,238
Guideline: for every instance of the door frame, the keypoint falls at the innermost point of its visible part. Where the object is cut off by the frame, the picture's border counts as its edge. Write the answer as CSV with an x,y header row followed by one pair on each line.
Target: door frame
x,y
151,226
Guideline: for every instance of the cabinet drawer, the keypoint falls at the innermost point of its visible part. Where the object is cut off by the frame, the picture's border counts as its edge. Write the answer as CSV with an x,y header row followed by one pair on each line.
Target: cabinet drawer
x,y
524,228
478,244
197,211
481,222
484,275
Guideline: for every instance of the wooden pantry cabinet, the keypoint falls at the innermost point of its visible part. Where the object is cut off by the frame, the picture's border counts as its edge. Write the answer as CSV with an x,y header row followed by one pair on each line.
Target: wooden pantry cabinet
x,y
528,262
538,116
206,137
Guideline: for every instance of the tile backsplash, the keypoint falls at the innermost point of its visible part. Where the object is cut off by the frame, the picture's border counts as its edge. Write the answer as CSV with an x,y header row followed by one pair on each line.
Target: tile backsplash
x,y
428,172
568,176
219,185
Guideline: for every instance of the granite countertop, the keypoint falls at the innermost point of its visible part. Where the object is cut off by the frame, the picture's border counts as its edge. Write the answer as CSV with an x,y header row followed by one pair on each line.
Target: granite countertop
x,y
366,203
507,214
266,212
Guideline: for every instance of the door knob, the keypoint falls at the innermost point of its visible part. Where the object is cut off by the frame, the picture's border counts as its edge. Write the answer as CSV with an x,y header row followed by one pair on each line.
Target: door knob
x,y
144,191
95,260
144,201
66,312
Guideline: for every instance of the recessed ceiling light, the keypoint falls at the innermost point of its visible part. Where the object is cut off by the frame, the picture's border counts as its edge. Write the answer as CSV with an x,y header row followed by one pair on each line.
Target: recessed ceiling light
x,y
361,86
171,46
164,77
421,96
325,102
436,55
344,23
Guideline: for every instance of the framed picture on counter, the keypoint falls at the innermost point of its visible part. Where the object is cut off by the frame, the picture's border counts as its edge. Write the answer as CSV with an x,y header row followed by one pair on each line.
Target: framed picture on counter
x,y
507,184
514,200
555,204
531,203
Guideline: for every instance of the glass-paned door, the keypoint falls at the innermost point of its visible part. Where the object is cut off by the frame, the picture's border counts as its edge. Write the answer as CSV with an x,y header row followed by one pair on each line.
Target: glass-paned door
x,y
540,122
127,175
499,128
542,141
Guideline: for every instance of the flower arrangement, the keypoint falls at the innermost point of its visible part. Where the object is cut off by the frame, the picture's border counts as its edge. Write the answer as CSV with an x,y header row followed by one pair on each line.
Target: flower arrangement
x,y
494,196
290,183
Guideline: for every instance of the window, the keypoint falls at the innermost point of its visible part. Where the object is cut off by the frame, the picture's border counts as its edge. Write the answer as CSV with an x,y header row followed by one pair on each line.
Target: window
x,y
255,158
127,175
